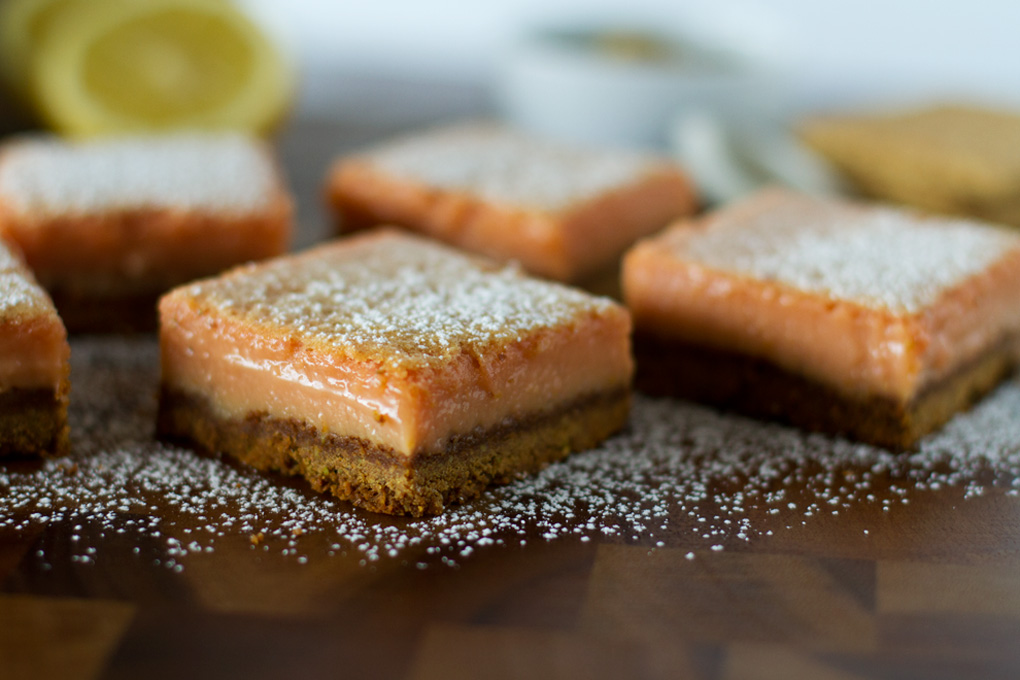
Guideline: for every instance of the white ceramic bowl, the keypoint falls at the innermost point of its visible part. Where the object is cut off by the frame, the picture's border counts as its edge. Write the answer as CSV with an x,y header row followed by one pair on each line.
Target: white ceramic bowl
x,y
612,86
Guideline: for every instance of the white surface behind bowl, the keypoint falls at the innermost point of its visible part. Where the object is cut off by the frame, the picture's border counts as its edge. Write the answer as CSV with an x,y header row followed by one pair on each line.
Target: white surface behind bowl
x,y
841,52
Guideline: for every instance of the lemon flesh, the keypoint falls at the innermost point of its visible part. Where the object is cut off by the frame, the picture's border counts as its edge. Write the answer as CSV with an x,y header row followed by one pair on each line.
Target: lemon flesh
x,y
111,66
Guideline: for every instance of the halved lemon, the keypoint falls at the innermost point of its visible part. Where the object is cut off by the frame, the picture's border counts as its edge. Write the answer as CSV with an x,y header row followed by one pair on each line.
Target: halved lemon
x,y
21,22
112,66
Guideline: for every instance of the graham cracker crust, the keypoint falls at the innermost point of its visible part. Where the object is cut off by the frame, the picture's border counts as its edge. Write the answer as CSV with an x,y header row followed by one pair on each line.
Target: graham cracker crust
x,y
379,479
756,387
33,422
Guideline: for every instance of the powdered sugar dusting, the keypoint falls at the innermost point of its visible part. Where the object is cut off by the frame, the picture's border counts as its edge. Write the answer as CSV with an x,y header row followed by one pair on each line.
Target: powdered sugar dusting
x,y
19,293
879,257
20,296
679,474
403,299
508,167
49,176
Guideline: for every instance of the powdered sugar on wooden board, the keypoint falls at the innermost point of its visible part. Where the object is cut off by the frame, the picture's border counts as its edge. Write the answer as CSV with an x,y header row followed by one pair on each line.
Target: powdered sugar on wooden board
x,y
44,176
678,469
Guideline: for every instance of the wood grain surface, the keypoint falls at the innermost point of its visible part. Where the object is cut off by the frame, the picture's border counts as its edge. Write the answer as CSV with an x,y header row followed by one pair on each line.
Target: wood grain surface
x,y
913,579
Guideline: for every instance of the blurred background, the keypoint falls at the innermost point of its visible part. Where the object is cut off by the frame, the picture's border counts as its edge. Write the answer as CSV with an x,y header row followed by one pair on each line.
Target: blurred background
x,y
368,60
720,85
827,54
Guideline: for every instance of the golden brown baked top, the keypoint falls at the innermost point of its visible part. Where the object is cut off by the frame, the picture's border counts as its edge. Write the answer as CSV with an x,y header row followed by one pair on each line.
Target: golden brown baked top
x,y
878,257
224,172
394,298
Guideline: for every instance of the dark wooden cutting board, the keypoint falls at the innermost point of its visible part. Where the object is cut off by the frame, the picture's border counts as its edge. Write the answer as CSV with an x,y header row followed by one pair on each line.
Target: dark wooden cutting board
x,y
914,575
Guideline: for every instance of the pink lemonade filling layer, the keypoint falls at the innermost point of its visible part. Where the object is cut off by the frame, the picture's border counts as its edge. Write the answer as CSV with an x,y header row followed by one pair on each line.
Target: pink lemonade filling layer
x,y
33,354
852,347
242,369
563,243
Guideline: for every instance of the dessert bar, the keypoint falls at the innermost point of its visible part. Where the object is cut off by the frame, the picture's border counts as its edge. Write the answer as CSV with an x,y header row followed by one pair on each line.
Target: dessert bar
x,y
392,371
563,212
107,225
870,322
34,365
